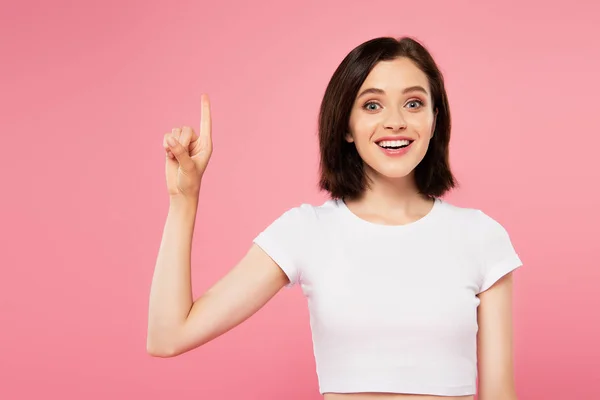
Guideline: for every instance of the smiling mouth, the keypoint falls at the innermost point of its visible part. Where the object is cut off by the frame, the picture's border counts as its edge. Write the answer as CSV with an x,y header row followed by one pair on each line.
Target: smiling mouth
x,y
394,144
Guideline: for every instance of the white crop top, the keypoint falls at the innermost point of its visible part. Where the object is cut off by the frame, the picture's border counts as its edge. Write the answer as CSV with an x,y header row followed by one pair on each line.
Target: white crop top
x,y
392,308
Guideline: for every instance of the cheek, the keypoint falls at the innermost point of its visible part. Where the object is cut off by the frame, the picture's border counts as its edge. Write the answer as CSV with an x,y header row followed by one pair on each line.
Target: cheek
x,y
422,124
364,127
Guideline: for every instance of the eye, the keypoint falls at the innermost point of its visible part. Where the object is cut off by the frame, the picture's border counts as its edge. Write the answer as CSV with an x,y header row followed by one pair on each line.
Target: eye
x,y
370,103
419,103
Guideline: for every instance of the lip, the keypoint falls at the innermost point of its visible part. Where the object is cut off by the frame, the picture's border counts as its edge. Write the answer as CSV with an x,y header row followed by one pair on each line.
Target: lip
x,y
394,138
397,152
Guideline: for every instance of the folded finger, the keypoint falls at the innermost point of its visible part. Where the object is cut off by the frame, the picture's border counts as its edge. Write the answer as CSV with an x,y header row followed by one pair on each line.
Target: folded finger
x,y
186,136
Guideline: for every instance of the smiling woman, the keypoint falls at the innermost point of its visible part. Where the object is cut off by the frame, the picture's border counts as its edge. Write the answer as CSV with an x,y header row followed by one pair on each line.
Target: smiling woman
x,y
392,145
385,89
409,296
399,100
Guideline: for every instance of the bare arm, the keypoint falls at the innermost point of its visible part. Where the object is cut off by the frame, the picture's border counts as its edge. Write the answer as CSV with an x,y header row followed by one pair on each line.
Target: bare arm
x,y
495,342
171,291
176,323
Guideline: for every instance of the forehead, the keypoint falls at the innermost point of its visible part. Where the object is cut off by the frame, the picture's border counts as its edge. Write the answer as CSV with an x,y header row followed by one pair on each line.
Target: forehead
x,y
395,75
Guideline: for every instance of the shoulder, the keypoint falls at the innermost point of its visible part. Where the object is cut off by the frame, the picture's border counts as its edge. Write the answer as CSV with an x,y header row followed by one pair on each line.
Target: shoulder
x,y
308,213
302,216
472,219
484,231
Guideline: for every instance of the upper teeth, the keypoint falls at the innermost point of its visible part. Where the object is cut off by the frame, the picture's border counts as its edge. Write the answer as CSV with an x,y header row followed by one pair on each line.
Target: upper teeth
x,y
394,143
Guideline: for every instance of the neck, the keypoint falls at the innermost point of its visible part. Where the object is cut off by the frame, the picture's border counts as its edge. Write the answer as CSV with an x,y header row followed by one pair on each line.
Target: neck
x,y
392,195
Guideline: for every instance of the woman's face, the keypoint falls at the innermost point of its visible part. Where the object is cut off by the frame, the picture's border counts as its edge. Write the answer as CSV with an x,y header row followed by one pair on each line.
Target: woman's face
x,y
392,119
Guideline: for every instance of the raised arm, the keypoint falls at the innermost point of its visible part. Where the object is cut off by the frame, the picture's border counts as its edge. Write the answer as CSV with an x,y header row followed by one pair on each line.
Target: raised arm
x,y
177,323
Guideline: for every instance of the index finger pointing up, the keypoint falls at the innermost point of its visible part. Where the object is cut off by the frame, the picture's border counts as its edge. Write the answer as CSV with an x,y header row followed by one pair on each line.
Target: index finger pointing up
x,y
205,121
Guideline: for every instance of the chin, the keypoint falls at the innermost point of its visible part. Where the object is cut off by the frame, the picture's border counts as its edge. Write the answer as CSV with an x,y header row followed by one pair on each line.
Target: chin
x,y
393,172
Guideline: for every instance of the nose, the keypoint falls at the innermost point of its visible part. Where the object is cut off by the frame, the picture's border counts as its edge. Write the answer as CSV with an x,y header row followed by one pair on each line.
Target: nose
x,y
394,120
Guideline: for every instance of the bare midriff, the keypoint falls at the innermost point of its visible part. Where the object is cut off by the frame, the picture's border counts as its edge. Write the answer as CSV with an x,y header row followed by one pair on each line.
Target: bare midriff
x,y
390,396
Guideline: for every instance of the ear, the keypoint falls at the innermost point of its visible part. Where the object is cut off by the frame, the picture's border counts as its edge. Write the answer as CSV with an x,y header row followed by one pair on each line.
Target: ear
x,y
349,138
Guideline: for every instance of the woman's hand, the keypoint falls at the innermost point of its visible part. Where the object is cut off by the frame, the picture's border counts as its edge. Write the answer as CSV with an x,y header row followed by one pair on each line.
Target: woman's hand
x,y
187,155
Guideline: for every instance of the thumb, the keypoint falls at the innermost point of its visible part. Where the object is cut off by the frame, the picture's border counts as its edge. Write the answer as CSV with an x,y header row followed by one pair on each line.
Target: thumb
x,y
181,154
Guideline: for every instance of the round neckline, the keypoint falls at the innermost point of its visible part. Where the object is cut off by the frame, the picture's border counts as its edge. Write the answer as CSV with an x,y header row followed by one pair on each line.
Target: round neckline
x,y
344,207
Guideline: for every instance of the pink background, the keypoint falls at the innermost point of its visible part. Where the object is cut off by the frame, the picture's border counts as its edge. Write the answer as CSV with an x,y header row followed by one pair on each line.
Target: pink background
x,y
89,89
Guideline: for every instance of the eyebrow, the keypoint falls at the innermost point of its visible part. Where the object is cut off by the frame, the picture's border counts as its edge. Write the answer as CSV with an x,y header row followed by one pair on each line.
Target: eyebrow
x,y
381,91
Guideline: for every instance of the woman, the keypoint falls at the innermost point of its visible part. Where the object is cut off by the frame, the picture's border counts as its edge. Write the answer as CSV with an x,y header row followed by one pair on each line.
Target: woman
x,y
410,297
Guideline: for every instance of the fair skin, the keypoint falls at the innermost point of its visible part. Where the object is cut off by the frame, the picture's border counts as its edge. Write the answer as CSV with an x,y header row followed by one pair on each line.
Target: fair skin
x,y
178,324
393,101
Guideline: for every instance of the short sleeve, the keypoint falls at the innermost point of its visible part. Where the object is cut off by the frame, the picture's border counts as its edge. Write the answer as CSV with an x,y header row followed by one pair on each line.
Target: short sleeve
x,y
285,239
496,252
